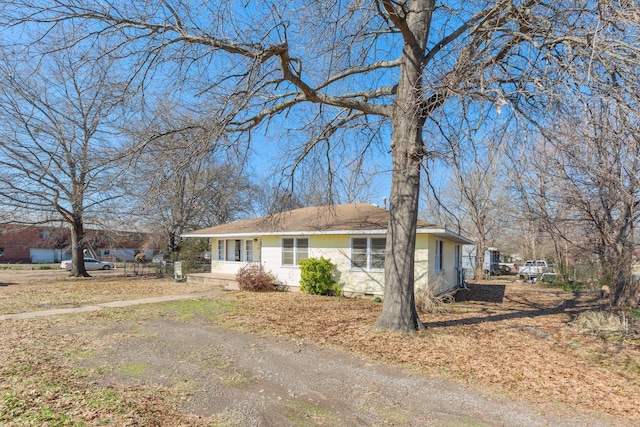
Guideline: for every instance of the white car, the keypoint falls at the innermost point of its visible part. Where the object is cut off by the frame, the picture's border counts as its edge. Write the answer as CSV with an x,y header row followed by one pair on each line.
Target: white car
x,y
90,264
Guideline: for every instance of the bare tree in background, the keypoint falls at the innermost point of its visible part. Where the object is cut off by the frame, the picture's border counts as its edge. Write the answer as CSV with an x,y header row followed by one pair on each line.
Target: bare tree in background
x,y
186,177
476,201
586,190
316,186
581,185
405,62
58,143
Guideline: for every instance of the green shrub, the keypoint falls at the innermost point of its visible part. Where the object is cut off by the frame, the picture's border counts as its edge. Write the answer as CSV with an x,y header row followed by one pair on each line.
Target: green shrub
x,y
316,277
254,279
566,286
571,286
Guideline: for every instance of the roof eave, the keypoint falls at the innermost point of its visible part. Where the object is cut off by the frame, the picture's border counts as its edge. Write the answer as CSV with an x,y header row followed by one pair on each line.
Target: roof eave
x,y
435,231
287,233
443,232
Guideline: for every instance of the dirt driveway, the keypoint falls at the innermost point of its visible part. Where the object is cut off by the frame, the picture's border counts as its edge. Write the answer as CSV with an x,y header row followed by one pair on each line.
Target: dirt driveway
x,y
233,378
177,364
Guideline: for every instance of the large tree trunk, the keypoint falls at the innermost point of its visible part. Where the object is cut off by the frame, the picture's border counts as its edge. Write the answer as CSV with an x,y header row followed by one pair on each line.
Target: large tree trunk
x,y
77,250
399,309
620,276
407,150
174,248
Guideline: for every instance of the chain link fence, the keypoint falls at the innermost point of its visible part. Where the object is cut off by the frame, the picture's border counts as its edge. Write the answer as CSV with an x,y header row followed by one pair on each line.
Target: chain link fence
x,y
163,269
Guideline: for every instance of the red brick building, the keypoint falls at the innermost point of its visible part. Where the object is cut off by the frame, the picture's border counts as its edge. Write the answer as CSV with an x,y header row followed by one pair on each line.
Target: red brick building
x,y
42,244
23,244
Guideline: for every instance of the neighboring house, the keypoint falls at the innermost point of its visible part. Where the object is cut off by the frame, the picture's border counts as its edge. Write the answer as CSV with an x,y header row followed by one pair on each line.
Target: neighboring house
x,y
120,245
38,244
469,260
49,244
494,262
490,260
352,236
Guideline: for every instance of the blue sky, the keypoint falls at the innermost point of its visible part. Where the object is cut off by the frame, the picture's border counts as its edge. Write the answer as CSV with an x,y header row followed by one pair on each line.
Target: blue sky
x,y
267,151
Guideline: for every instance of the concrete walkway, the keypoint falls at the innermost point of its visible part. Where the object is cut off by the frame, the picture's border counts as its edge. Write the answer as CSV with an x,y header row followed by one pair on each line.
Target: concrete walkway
x,y
114,304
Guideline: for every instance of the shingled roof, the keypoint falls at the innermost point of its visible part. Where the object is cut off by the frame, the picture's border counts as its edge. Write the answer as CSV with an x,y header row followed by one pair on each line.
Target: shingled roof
x,y
334,219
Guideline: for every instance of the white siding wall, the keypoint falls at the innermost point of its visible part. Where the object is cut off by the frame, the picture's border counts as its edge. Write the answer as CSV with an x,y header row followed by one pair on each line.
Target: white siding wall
x,y
226,267
445,279
272,261
422,268
338,250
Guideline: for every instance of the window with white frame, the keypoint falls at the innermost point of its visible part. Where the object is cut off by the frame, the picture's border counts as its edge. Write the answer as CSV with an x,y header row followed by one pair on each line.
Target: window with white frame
x,y
302,249
220,250
294,249
248,250
235,250
439,256
359,256
367,253
378,245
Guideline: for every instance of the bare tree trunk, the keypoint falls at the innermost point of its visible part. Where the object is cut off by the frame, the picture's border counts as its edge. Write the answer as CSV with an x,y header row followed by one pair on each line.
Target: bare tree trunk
x,y
77,254
399,310
407,150
174,246
481,248
617,267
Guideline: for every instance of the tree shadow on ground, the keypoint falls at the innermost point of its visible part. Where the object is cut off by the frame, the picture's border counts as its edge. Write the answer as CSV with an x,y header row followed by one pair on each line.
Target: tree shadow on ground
x,y
495,294
482,293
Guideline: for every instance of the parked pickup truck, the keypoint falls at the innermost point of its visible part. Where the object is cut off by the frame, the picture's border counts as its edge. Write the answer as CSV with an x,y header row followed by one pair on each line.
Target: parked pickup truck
x,y
534,269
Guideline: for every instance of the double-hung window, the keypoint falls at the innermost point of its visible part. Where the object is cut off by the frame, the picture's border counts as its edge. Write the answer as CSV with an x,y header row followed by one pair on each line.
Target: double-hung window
x,y
294,249
359,253
248,250
367,253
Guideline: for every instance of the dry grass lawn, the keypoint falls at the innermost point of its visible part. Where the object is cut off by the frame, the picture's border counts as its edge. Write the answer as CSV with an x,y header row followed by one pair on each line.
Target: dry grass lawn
x,y
512,338
508,337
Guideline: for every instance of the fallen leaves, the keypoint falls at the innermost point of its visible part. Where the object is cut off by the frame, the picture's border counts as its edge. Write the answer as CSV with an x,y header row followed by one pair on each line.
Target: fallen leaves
x,y
511,338
521,345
